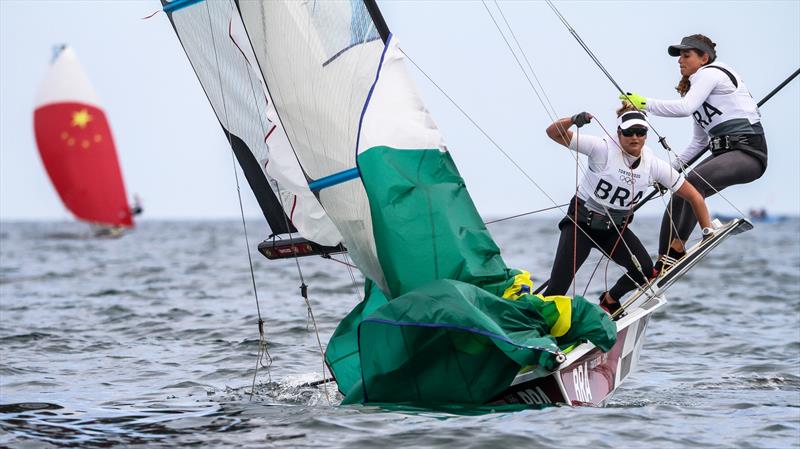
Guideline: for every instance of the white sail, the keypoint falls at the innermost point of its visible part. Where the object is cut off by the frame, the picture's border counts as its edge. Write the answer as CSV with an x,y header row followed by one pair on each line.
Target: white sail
x,y
319,60
66,82
226,67
396,115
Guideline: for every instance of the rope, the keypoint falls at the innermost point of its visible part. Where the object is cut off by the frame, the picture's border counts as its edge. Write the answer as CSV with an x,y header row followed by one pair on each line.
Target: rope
x,y
597,61
558,206
560,128
262,347
303,286
575,220
661,139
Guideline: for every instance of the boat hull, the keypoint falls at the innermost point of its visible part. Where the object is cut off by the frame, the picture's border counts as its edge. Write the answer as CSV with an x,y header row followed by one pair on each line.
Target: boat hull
x,y
588,376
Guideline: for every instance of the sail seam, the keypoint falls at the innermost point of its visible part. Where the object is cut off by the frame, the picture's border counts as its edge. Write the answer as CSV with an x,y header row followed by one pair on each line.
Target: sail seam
x,y
456,327
369,96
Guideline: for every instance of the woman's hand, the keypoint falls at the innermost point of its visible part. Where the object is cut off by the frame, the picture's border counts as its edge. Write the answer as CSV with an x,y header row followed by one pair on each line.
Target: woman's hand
x,y
581,119
637,101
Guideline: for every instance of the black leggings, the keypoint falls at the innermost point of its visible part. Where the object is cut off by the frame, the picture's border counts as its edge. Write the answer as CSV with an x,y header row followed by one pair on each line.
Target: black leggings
x,y
710,176
561,274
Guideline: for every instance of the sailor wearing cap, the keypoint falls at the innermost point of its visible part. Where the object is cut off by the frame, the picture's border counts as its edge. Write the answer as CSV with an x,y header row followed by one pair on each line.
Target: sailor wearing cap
x,y
620,169
726,121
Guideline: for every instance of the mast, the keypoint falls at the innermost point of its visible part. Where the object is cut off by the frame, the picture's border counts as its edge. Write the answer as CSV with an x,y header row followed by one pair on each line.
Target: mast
x,y
377,19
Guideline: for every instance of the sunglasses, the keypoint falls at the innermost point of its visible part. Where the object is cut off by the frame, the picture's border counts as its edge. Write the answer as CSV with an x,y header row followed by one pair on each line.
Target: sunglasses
x,y
641,132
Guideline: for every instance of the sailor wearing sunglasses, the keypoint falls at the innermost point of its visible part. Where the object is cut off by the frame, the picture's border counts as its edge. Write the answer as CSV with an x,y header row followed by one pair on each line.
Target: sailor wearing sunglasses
x,y
620,169
726,122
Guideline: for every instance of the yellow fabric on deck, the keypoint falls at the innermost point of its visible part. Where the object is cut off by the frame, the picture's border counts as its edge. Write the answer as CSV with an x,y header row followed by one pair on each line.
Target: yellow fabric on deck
x,y
522,286
564,306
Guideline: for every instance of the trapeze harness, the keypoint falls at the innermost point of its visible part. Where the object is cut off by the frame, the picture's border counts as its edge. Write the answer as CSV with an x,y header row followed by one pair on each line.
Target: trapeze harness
x,y
730,120
614,187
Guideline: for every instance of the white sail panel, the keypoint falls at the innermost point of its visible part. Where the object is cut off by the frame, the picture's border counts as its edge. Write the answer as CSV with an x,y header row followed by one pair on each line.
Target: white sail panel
x,y
66,82
396,116
319,60
214,39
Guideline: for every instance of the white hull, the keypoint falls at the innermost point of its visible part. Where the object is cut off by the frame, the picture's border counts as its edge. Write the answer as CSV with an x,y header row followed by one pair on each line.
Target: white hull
x,y
588,376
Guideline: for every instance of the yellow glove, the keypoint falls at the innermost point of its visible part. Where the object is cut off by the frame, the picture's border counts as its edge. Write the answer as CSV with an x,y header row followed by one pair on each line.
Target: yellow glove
x,y
638,101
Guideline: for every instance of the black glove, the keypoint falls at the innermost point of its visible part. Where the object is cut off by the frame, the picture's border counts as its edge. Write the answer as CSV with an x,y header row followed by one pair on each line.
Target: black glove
x,y
581,119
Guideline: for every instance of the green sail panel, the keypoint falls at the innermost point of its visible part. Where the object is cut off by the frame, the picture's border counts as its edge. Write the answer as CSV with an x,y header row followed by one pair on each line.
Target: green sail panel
x,y
342,354
450,342
425,224
431,344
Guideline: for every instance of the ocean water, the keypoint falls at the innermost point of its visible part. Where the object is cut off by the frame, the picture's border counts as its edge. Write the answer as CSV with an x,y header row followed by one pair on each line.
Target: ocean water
x,y
152,339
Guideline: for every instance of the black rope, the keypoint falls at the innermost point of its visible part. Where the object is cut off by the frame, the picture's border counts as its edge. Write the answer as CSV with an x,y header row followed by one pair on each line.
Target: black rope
x,y
594,58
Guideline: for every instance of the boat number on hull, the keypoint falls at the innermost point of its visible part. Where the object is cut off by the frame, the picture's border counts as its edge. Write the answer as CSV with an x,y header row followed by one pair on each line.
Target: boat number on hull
x,y
580,377
534,396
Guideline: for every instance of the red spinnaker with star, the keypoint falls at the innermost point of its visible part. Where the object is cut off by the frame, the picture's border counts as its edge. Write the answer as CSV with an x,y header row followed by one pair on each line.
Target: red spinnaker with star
x,y
76,146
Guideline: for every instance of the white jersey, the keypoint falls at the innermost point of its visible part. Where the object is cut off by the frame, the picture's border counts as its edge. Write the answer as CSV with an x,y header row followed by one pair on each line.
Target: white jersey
x,y
614,180
720,104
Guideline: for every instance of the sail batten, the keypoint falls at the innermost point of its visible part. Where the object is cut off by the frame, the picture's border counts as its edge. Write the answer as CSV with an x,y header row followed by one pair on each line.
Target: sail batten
x,y
177,5
332,180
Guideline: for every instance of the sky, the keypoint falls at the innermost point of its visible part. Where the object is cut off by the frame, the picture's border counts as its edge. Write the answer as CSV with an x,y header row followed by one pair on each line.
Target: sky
x,y
175,157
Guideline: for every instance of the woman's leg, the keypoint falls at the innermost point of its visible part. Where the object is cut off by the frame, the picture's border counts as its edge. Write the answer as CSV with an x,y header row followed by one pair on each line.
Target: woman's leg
x,y
712,175
676,209
624,255
562,272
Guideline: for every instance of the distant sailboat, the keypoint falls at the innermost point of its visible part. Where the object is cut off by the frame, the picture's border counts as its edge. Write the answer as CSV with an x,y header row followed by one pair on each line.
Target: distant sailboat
x,y
77,148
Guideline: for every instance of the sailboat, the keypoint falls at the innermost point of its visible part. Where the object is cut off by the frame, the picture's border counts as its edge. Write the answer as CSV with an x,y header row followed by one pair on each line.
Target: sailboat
x,y
77,148
332,133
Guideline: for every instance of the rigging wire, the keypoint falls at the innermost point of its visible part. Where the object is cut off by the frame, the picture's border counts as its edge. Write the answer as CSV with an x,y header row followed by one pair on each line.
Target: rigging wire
x,y
560,129
496,145
262,350
597,61
558,206
303,286
600,65
575,220
661,139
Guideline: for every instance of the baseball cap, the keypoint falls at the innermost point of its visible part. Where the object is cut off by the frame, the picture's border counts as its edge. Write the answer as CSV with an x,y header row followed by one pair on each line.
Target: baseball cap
x,y
689,42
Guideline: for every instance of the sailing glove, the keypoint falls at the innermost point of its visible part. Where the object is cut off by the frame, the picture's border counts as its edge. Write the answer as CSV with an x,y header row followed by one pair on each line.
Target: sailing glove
x,y
639,102
581,119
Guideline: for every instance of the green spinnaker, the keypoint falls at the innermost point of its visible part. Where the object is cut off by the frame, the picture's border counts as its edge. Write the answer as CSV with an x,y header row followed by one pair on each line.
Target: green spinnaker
x,y
443,334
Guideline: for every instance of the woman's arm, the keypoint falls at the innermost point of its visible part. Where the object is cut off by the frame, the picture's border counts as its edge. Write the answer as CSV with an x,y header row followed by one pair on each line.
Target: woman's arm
x,y
703,82
690,194
559,131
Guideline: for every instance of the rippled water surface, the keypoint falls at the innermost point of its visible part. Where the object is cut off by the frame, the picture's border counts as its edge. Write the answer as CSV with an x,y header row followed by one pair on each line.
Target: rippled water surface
x,y
152,340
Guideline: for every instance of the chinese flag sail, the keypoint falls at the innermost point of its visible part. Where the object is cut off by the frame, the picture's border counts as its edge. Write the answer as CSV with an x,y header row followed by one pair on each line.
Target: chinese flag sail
x,y
76,146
